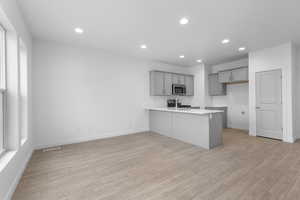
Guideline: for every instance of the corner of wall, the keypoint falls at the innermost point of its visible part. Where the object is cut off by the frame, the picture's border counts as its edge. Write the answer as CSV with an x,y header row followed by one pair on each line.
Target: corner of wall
x,y
296,89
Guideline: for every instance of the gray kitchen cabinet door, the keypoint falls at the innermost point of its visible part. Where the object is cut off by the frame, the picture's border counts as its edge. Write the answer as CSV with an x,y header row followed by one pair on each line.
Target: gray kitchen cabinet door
x,y
215,88
224,114
177,79
240,74
157,83
224,76
168,84
181,79
189,83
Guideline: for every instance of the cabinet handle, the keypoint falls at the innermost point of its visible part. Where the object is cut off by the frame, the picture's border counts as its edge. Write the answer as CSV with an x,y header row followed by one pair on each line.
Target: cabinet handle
x,y
257,107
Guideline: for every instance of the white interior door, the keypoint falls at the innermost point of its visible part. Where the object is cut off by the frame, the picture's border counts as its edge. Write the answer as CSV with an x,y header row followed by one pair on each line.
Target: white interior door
x,y
269,104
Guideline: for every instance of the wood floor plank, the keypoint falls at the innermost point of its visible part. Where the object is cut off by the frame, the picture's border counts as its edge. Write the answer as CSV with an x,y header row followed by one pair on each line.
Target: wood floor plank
x,y
149,166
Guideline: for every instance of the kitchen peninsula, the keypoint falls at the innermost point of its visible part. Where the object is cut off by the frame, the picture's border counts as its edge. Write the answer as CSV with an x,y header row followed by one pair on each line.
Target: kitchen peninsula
x,y
199,127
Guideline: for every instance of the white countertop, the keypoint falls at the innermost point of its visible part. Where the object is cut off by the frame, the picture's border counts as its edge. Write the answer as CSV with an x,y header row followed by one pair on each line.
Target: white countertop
x,y
186,110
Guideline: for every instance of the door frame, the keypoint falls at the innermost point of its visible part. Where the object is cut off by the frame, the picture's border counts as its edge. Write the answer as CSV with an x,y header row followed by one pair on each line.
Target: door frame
x,y
282,108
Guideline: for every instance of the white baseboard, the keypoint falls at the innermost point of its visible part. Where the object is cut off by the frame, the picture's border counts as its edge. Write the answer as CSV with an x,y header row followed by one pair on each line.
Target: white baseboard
x,y
238,127
18,177
297,135
90,138
289,140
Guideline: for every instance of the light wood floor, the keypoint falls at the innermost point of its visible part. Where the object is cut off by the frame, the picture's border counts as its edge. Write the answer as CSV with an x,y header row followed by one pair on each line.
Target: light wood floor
x,y
153,167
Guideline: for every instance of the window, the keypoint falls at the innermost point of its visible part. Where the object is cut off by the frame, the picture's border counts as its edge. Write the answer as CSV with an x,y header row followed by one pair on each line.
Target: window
x,y
23,67
1,122
2,85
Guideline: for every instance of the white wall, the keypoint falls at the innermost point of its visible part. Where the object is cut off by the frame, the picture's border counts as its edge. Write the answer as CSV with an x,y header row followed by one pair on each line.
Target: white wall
x,y
201,97
13,162
236,99
279,57
297,92
82,94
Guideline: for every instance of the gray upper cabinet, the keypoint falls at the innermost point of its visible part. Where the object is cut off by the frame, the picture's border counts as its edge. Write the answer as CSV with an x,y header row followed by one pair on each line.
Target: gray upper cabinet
x,y
178,78
224,76
215,88
168,84
234,75
161,83
157,85
181,79
189,83
239,74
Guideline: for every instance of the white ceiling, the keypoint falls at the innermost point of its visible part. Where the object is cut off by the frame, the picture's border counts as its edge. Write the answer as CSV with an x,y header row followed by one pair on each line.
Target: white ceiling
x,y
120,26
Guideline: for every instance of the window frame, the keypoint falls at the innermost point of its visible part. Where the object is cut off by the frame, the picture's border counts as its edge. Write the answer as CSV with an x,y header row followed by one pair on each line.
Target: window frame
x,y
3,89
23,90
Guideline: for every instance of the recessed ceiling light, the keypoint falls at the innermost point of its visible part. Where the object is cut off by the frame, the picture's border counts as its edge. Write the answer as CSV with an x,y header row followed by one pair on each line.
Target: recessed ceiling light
x,y
181,56
78,30
242,48
225,41
143,46
184,21
199,61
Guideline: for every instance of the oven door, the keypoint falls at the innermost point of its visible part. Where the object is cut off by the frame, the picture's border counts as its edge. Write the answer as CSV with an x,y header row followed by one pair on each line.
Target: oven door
x,y
178,89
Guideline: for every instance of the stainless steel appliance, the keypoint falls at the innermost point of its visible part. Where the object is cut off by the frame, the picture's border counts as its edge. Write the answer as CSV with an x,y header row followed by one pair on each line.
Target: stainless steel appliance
x,y
178,89
171,103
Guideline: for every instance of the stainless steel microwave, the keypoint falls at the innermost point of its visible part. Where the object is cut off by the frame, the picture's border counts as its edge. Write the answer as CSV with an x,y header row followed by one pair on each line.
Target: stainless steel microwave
x,y
178,89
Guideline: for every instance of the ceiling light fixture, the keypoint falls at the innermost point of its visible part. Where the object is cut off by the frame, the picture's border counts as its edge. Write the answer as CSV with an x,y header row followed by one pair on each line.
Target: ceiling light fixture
x,y
199,61
181,56
184,21
225,41
242,48
143,46
78,30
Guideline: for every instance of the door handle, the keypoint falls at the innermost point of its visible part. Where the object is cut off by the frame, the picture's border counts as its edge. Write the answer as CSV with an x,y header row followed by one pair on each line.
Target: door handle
x,y
257,107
